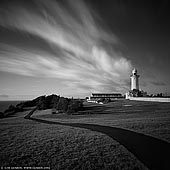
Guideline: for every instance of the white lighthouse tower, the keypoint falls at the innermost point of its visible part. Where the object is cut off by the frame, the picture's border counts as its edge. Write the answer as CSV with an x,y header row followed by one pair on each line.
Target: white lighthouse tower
x,y
134,80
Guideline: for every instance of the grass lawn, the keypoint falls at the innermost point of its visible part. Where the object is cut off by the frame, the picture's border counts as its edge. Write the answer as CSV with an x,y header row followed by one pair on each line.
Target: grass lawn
x,y
150,118
29,143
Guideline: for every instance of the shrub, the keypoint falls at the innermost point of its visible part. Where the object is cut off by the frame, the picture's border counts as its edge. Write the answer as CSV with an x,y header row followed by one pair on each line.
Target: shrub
x,y
74,106
50,102
11,110
62,104
35,102
107,101
104,100
1,114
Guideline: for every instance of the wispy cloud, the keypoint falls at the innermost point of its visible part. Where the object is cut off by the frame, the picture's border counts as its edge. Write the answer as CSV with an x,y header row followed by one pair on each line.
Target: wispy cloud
x,y
83,51
158,83
3,96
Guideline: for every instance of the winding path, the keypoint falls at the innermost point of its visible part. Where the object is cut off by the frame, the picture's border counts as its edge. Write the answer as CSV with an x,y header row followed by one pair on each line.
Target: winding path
x,y
154,153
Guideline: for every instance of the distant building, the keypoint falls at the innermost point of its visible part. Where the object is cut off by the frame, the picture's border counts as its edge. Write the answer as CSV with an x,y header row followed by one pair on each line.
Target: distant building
x,y
99,96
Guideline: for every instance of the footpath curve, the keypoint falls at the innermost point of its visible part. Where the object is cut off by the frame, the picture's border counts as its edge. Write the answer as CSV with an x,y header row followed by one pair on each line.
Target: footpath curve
x,y
153,152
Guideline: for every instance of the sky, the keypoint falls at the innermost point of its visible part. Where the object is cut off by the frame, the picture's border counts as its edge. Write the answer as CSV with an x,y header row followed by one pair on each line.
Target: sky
x,y
75,47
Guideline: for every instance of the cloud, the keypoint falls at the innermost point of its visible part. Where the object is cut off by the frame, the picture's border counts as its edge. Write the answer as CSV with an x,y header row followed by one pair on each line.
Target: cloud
x,y
158,83
83,52
3,96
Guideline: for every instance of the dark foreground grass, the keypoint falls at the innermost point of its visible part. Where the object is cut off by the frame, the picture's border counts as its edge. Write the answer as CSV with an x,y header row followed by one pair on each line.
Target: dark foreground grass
x,y
28,143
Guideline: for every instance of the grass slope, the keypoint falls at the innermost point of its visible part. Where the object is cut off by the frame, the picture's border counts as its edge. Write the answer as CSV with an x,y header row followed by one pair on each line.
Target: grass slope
x,y
151,118
28,143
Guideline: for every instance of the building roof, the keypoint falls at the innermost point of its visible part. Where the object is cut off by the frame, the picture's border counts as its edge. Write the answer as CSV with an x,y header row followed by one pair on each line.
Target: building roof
x,y
107,93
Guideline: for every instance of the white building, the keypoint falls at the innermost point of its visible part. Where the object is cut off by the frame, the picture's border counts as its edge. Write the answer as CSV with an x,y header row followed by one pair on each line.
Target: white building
x,y
134,80
100,96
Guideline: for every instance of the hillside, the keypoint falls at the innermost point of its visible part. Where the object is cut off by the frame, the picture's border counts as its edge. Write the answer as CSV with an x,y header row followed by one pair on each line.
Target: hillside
x,y
59,104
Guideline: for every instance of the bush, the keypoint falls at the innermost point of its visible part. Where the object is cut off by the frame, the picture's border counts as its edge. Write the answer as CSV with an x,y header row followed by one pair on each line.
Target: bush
x,y
11,110
1,114
35,102
104,100
62,104
50,102
74,106
107,101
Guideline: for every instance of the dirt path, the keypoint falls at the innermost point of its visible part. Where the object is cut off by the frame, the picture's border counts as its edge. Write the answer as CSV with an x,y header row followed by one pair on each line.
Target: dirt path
x,y
154,153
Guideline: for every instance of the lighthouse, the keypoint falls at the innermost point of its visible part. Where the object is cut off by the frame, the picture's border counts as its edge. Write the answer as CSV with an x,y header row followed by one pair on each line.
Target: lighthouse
x,y
134,80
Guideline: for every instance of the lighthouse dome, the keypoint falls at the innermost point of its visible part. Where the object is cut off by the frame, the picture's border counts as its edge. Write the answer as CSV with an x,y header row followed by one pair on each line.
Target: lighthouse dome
x,y
134,71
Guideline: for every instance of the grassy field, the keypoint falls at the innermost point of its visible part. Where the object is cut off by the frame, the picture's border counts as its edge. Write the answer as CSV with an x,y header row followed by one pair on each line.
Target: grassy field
x,y
29,143
151,118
